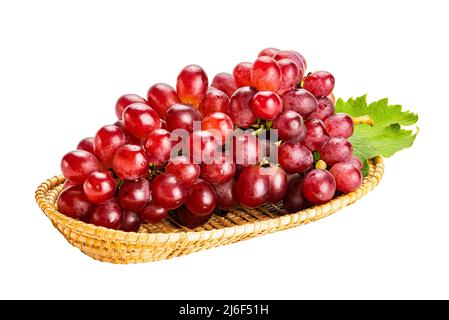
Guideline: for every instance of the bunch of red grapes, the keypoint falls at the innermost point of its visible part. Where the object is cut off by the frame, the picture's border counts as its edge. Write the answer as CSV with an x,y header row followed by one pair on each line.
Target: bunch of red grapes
x,y
131,173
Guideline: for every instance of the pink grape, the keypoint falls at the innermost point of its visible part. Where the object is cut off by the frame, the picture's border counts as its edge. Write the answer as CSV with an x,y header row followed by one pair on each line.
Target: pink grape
x,y
319,186
347,177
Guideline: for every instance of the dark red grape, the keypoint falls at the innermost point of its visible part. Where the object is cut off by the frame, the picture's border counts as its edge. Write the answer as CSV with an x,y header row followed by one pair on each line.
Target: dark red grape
x,y
319,83
356,162
269,52
78,165
319,186
186,171
317,135
108,215
130,162
106,143
153,213
220,125
339,125
336,150
131,222
125,101
347,177
181,116
294,157
167,191
87,144
294,199
191,85
300,101
100,186
253,187
226,195
73,203
218,171
246,149
242,113
266,105
289,125
189,219
134,195
161,97
225,82
215,101
242,74
290,74
325,108
266,74
140,120
200,198
158,146
278,184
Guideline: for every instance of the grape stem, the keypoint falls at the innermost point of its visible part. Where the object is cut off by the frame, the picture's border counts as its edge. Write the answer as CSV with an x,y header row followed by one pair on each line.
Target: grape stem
x,y
363,120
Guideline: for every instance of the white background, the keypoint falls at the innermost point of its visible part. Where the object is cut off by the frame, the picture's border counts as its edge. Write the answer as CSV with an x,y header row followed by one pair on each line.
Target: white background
x,y
63,64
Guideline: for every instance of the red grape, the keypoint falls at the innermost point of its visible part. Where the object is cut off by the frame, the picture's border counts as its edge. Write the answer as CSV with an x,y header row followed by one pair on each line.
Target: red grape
x,y
295,57
252,187
317,135
68,184
130,139
108,215
130,162
320,83
78,165
226,195
161,97
167,191
202,146
356,162
200,198
289,75
295,157
140,120
215,101
225,82
278,184
87,144
325,108
347,177
266,105
131,222
100,187
246,149
240,106
319,186
300,101
186,171
181,116
218,171
336,150
134,194
107,141
73,203
294,199
191,85
153,213
220,125
269,52
339,125
242,74
158,146
125,101
189,219
290,126
266,74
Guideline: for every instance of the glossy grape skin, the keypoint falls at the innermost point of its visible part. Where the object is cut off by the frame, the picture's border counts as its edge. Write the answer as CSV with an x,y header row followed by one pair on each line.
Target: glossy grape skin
x,y
300,101
189,219
278,184
347,177
319,186
266,74
186,171
140,120
87,144
200,198
356,163
125,101
73,203
269,52
191,85
317,135
100,187
325,108
294,157
161,97
158,146
202,146
167,191
131,222
108,215
181,116
106,143
134,195
220,125
130,162
336,150
266,105
68,184
78,165
219,171
296,57
320,83
226,195
130,139
290,74
215,101
289,125
252,187
242,113
242,74
225,82
294,199
247,150
339,125
153,213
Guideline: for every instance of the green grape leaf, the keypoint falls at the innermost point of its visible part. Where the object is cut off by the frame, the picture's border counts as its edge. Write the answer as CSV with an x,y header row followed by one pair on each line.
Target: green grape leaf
x,y
388,135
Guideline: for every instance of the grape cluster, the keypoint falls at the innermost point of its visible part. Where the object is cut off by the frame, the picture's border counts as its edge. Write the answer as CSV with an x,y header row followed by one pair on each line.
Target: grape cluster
x,y
186,151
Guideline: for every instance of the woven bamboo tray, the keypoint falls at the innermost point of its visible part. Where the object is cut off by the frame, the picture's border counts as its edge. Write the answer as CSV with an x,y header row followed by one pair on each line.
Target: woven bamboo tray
x,y
167,239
